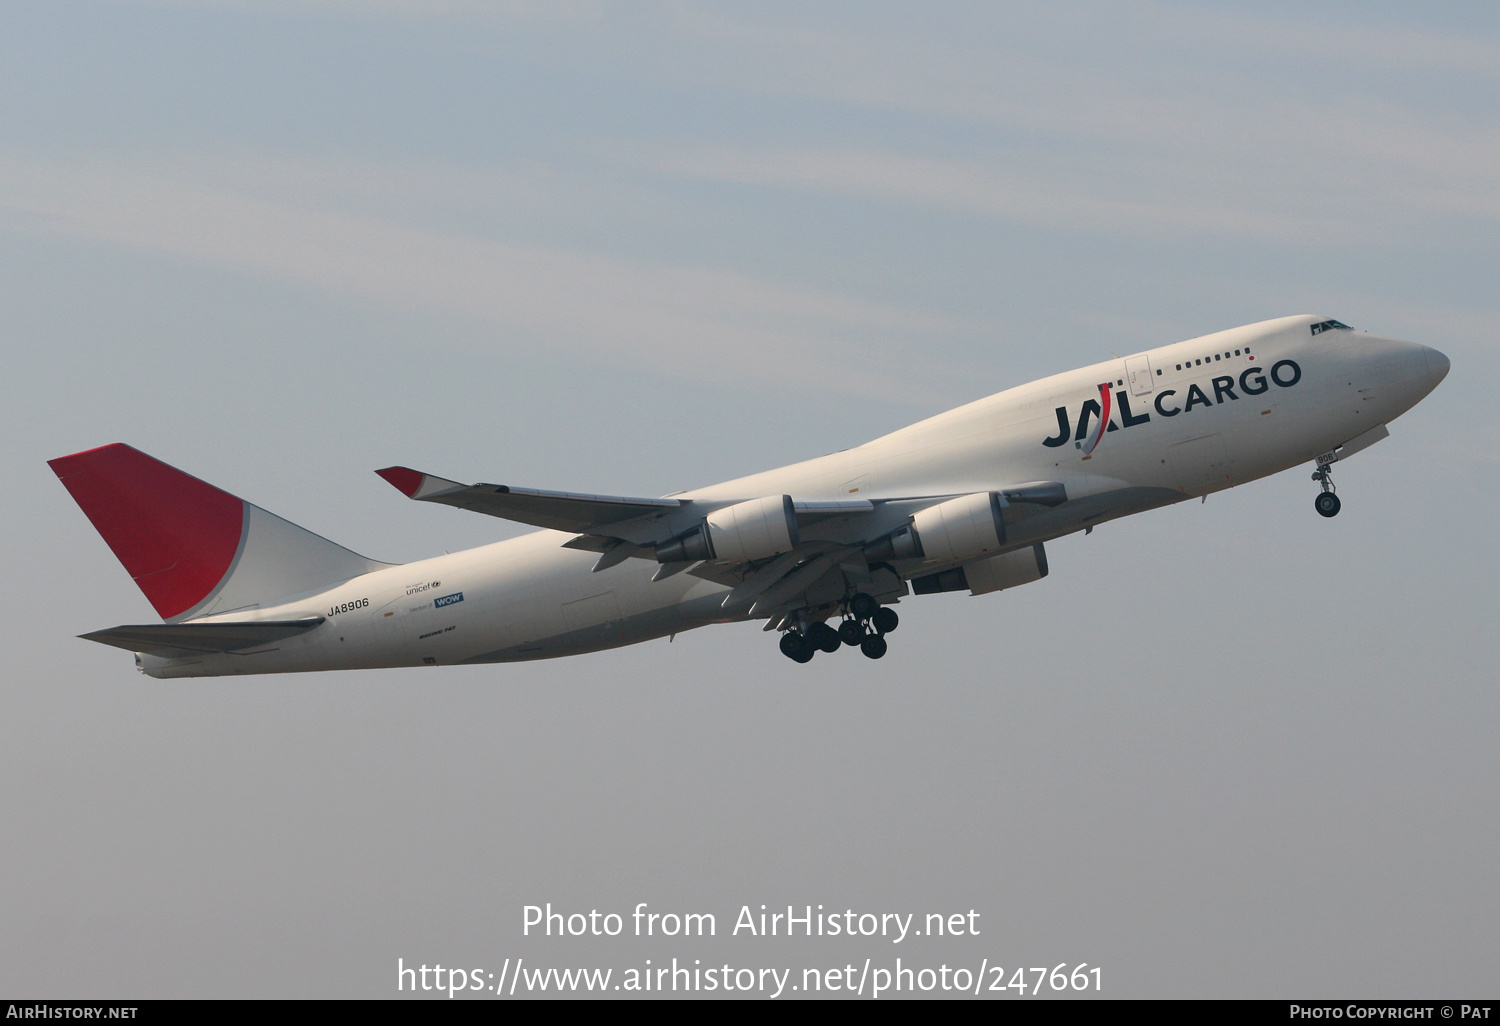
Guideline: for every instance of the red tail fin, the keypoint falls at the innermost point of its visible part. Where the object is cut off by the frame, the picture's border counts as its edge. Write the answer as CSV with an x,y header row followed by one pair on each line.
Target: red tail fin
x,y
185,542
176,535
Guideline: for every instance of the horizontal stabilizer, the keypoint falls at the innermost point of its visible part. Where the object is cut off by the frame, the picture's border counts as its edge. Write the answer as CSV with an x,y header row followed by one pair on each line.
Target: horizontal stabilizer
x,y
560,511
168,638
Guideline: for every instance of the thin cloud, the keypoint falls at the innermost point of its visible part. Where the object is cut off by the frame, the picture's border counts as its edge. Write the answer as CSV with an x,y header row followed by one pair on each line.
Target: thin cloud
x,y
1223,138
1045,193
972,188
577,11
688,322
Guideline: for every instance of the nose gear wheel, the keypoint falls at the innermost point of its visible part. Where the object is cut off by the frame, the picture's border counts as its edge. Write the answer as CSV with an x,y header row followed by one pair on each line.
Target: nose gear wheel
x,y
1327,503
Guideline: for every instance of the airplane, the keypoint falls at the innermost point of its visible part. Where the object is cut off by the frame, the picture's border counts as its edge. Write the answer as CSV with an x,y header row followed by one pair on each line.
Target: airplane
x,y
819,550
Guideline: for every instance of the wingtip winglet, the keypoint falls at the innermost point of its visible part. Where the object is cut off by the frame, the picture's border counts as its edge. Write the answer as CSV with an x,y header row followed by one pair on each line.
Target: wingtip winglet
x,y
405,480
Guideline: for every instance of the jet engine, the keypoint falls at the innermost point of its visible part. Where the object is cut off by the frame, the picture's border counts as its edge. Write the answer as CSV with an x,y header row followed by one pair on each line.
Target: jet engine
x,y
756,529
993,573
959,529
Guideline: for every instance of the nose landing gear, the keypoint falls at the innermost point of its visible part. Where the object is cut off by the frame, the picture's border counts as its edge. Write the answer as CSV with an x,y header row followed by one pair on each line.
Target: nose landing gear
x,y
1327,503
866,627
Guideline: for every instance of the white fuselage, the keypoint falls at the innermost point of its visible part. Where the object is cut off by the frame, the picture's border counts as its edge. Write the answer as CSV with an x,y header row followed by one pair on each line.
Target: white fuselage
x,y
1185,420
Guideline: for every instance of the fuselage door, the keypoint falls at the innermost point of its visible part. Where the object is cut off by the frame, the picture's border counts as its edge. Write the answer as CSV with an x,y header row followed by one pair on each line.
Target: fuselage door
x,y
1138,373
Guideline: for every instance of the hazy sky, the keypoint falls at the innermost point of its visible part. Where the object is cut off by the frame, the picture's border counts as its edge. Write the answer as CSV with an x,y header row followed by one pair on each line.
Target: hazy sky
x,y
633,248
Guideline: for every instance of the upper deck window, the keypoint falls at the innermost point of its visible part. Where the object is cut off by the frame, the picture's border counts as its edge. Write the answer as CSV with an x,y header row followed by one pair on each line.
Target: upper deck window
x,y
1322,326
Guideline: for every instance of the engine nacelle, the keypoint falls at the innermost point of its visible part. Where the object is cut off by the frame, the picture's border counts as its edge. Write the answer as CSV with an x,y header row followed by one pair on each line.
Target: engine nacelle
x,y
757,529
959,529
994,573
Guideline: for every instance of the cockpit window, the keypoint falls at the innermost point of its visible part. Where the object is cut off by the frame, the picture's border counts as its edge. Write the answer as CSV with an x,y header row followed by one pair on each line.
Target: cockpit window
x,y
1322,326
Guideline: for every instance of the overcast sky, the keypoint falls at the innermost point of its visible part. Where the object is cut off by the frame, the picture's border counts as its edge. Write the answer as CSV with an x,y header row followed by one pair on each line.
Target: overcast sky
x,y
1225,749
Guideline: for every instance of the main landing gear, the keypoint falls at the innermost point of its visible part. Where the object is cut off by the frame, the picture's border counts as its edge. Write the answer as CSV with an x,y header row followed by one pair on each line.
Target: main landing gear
x,y
1327,503
866,626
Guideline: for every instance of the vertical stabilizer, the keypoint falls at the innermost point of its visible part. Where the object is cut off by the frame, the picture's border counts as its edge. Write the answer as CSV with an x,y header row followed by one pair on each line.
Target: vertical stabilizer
x,y
194,549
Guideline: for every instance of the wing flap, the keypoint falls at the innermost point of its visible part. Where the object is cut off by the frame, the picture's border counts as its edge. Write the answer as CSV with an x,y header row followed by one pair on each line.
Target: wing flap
x,y
168,638
1041,493
811,511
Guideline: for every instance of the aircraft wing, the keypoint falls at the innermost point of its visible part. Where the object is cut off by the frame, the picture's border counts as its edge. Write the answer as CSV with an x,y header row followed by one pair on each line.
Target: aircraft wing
x,y
595,517
176,638
561,511
827,537
601,520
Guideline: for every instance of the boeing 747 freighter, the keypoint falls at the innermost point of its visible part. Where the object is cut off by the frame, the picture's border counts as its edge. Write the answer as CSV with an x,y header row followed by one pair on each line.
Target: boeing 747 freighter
x,y
820,550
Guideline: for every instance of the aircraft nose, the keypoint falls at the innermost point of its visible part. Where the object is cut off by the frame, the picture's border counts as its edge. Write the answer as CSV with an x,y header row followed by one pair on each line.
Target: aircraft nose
x,y
1437,365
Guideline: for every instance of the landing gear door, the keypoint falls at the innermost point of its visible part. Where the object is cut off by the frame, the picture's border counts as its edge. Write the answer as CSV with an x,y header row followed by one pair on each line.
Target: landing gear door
x,y
1138,373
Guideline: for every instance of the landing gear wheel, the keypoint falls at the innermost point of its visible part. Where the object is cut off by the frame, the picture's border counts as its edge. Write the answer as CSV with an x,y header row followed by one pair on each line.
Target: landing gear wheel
x,y
862,606
795,647
885,620
873,646
820,635
851,632
1327,504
